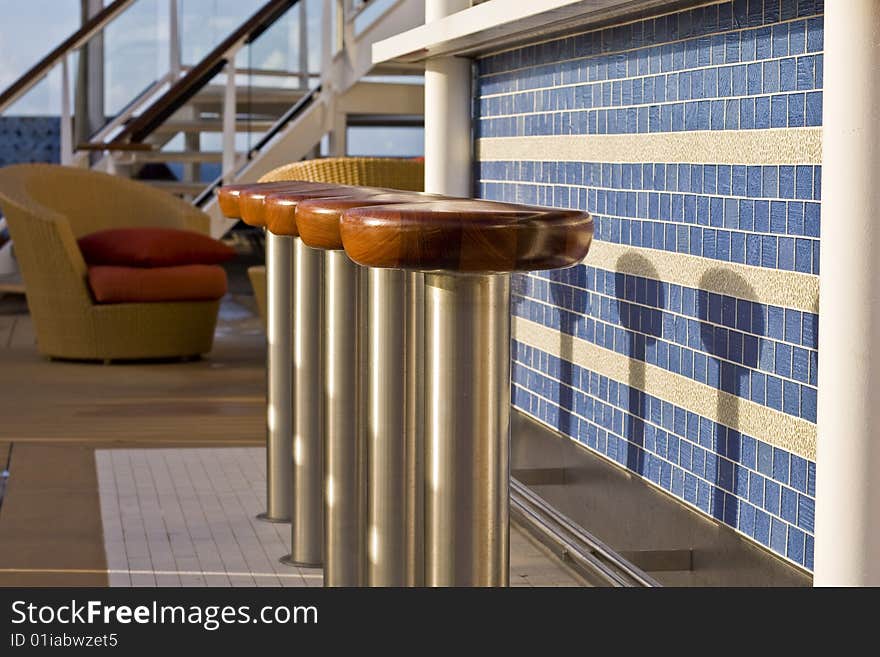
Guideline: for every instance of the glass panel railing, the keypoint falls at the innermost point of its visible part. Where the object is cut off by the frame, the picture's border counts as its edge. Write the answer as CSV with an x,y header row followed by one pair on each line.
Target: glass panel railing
x,y
205,23
366,13
136,53
145,83
26,36
30,130
80,90
386,141
274,70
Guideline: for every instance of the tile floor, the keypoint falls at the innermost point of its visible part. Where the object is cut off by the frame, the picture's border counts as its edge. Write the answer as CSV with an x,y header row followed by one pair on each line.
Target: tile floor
x,y
187,517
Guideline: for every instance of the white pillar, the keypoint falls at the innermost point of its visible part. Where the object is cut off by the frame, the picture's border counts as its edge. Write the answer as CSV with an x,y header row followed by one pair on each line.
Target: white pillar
x,y
229,116
66,116
448,139
174,56
848,462
303,25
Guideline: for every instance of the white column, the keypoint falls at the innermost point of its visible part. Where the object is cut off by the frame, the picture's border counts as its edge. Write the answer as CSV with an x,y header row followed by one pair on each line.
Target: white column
x,y
448,139
229,110
173,40
66,138
848,463
303,24
338,144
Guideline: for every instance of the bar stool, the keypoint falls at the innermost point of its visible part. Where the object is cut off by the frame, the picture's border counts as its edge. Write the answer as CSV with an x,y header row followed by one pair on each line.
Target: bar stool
x,y
467,250
294,420
392,550
340,395
279,407
332,395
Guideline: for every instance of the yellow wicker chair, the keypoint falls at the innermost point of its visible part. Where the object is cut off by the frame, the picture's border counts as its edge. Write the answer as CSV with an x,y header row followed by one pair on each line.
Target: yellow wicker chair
x,y
394,173
48,208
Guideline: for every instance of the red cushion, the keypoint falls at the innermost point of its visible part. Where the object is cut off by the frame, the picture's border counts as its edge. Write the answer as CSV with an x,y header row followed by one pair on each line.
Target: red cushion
x,y
133,284
152,247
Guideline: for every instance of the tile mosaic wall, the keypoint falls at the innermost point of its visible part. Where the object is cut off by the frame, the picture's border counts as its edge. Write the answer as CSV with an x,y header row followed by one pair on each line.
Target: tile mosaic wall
x,y
699,76
29,139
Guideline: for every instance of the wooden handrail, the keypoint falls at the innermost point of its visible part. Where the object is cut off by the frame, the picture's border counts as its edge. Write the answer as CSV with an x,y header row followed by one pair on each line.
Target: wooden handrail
x,y
199,75
112,146
79,38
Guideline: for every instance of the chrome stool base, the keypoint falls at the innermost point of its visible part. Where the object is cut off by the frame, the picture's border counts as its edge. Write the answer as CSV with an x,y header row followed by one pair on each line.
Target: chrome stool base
x,y
264,517
467,429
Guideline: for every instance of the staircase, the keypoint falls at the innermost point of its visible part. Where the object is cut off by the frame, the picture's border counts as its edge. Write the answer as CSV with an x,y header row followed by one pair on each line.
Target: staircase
x,y
228,118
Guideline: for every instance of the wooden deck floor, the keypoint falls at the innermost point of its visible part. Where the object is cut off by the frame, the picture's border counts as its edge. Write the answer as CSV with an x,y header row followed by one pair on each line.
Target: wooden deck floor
x,y
218,400
54,415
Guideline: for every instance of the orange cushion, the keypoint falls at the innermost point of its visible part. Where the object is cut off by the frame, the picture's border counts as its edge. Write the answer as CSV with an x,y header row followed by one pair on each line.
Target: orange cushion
x,y
152,247
133,284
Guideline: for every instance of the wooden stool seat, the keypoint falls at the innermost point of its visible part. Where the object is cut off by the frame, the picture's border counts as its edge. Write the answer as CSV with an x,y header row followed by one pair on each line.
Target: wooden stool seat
x,y
246,201
318,219
465,236
280,207
229,196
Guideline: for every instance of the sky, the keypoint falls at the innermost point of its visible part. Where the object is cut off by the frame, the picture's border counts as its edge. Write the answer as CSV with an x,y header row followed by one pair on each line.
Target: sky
x,y
136,52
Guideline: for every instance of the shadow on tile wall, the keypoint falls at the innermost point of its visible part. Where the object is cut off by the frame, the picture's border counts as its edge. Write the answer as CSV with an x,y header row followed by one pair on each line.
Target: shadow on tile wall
x,y
731,379
641,324
567,382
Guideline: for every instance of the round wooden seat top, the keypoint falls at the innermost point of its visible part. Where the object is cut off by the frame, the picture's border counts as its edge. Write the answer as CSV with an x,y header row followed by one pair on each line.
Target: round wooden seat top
x,y
229,196
280,206
317,220
246,201
465,236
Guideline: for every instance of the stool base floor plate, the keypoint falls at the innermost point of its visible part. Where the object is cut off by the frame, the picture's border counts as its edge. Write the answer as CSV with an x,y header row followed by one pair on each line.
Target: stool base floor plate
x,y
287,561
265,518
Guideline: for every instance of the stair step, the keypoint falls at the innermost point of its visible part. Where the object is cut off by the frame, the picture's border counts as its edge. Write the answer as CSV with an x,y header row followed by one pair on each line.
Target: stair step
x,y
178,156
178,186
213,125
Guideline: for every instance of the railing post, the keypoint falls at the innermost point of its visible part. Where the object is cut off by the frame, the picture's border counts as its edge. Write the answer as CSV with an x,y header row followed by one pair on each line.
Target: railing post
x,y
229,110
174,63
326,44
303,46
339,27
66,137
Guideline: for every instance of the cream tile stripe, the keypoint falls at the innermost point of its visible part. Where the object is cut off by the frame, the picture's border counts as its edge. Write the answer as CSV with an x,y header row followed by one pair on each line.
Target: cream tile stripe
x,y
771,286
773,427
774,146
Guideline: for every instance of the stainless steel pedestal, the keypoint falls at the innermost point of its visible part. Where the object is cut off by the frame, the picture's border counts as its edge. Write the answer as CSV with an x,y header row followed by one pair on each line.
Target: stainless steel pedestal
x,y
279,391
393,434
344,509
467,429
307,515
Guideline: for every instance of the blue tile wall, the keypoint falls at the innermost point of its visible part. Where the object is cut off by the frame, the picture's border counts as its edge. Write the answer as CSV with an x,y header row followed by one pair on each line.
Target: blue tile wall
x,y
764,216
29,139
745,348
733,477
716,73
741,65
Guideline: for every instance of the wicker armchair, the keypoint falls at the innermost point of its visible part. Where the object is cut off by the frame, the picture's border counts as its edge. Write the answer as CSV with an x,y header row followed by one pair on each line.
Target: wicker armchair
x,y
394,173
48,208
